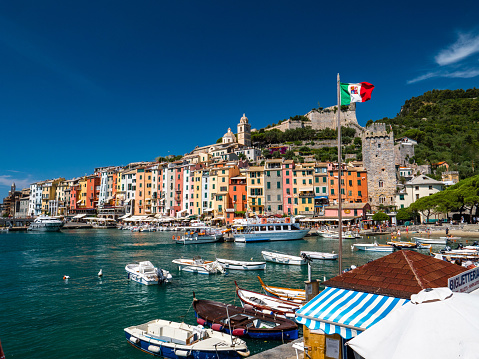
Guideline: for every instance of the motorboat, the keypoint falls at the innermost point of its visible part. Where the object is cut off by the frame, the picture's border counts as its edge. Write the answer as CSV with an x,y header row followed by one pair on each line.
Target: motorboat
x,y
199,234
146,273
283,258
241,265
267,229
289,294
402,244
46,224
175,340
430,240
450,238
266,303
320,255
198,265
243,322
372,247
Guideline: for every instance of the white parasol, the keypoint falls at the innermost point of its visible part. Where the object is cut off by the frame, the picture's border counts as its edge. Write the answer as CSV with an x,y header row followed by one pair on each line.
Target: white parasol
x,y
437,323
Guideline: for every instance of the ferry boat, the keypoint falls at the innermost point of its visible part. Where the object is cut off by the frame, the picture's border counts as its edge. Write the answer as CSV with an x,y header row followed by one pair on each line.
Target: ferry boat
x,y
268,229
46,223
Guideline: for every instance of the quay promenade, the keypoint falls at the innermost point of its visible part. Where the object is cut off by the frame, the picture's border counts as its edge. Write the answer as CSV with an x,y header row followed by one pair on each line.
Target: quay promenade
x,y
283,351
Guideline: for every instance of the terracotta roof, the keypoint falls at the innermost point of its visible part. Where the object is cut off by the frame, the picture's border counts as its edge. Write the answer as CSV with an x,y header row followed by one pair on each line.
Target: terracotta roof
x,y
398,274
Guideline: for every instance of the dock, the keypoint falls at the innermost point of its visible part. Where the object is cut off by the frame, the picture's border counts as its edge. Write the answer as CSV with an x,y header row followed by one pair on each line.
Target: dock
x,y
283,351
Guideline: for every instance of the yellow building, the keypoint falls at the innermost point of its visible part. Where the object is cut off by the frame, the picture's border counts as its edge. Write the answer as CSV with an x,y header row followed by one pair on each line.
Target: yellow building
x,y
255,186
303,189
220,177
49,190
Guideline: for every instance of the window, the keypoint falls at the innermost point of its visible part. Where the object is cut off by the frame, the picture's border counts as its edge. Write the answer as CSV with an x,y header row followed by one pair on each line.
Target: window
x,y
268,197
280,207
430,187
294,181
268,185
289,200
381,184
350,182
359,194
278,197
234,188
382,199
304,181
294,190
359,182
324,180
278,184
332,182
401,197
287,180
278,173
252,181
303,200
234,198
332,190
350,193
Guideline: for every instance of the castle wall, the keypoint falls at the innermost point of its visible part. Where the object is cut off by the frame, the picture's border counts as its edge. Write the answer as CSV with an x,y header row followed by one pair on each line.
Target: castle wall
x,y
328,118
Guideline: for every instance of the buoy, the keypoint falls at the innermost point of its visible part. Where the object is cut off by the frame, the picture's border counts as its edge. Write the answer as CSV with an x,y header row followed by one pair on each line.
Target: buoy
x,y
66,277
100,273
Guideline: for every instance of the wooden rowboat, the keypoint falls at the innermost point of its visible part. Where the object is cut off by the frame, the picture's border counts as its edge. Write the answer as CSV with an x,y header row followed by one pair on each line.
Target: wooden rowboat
x,y
266,303
295,295
243,322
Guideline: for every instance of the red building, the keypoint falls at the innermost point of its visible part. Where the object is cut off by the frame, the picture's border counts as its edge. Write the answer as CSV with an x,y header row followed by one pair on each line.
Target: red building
x,y
236,199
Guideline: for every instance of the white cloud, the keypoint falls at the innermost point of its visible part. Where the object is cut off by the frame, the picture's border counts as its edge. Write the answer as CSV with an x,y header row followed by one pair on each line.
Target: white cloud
x,y
7,180
465,46
424,77
465,74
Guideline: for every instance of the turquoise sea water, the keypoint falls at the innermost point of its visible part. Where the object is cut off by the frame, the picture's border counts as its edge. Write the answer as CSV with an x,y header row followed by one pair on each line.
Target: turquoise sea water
x,y
44,316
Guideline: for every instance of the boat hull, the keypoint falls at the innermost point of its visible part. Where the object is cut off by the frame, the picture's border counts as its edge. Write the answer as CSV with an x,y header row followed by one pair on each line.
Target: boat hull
x,y
218,346
283,258
45,227
320,255
373,248
241,265
244,322
265,237
430,240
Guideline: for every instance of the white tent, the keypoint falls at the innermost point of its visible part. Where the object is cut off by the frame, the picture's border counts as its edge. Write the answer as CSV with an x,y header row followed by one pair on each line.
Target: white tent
x,y
437,323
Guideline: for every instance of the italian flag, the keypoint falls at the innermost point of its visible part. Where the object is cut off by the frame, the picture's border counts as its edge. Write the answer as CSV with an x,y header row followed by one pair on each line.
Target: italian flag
x,y
360,92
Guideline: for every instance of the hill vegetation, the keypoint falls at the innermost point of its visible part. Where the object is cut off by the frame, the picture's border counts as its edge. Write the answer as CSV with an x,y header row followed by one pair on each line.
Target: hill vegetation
x,y
445,123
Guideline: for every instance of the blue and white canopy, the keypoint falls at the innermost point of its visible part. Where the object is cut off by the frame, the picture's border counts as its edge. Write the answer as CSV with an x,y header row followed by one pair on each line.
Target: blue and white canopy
x,y
345,312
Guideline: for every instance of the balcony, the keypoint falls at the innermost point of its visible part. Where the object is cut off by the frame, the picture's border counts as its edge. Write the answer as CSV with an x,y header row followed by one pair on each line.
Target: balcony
x,y
306,212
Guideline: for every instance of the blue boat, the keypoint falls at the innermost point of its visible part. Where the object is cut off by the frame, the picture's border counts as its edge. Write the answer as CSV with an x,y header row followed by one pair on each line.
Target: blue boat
x,y
179,340
243,322
268,229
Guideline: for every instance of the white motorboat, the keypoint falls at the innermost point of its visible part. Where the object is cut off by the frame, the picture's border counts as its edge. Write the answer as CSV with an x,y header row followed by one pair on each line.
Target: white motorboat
x,y
199,234
320,255
283,258
372,247
176,340
450,238
146,273
268,229
46,224
198,265
241,265
266,303
430,240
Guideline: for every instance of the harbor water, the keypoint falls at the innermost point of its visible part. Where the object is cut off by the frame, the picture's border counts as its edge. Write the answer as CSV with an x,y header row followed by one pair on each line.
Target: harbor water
x,y
44,316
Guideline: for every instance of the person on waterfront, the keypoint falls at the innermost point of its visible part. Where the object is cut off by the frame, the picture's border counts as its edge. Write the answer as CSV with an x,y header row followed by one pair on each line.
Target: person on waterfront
x,y
399,233
407,230
447,231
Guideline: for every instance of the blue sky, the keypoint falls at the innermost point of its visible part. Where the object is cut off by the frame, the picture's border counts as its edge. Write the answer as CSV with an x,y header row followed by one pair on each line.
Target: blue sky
x,y
94,83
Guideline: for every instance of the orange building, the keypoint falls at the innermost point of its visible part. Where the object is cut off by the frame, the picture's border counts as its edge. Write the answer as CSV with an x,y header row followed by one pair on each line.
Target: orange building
x,y
237,194
354,184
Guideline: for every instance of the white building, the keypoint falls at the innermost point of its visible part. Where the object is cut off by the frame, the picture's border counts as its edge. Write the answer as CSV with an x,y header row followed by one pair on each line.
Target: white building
x,y
35,201
418,187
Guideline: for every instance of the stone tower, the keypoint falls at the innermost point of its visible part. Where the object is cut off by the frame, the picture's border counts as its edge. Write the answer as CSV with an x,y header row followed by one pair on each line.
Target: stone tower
x,y
378,159
244,132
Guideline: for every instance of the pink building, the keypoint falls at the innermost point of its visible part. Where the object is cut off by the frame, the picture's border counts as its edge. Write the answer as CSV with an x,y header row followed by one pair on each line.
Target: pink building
x,y
287,169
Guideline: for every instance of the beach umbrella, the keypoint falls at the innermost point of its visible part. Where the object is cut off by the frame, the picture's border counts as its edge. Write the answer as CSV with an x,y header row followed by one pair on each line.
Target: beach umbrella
x,y
436,323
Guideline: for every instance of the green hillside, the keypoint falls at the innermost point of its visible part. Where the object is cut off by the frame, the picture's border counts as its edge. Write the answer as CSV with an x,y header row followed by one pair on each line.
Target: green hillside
x,y
446,125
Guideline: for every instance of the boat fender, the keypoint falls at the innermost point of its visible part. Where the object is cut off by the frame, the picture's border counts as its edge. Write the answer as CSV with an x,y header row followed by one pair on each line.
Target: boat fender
x,y
248,306
173,237
154,349
134,340
239,332
178,238
200,321
244,354
217,327
182,353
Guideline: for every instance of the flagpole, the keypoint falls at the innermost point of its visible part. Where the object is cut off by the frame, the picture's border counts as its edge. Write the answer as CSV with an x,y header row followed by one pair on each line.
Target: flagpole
x,y
340,210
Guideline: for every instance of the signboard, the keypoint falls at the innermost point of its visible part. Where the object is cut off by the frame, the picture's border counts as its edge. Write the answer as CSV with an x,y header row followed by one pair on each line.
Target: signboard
x,y
332,348
465,282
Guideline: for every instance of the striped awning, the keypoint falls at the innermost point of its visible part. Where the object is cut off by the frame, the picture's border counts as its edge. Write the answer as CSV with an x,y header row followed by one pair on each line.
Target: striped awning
x,y
345,312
